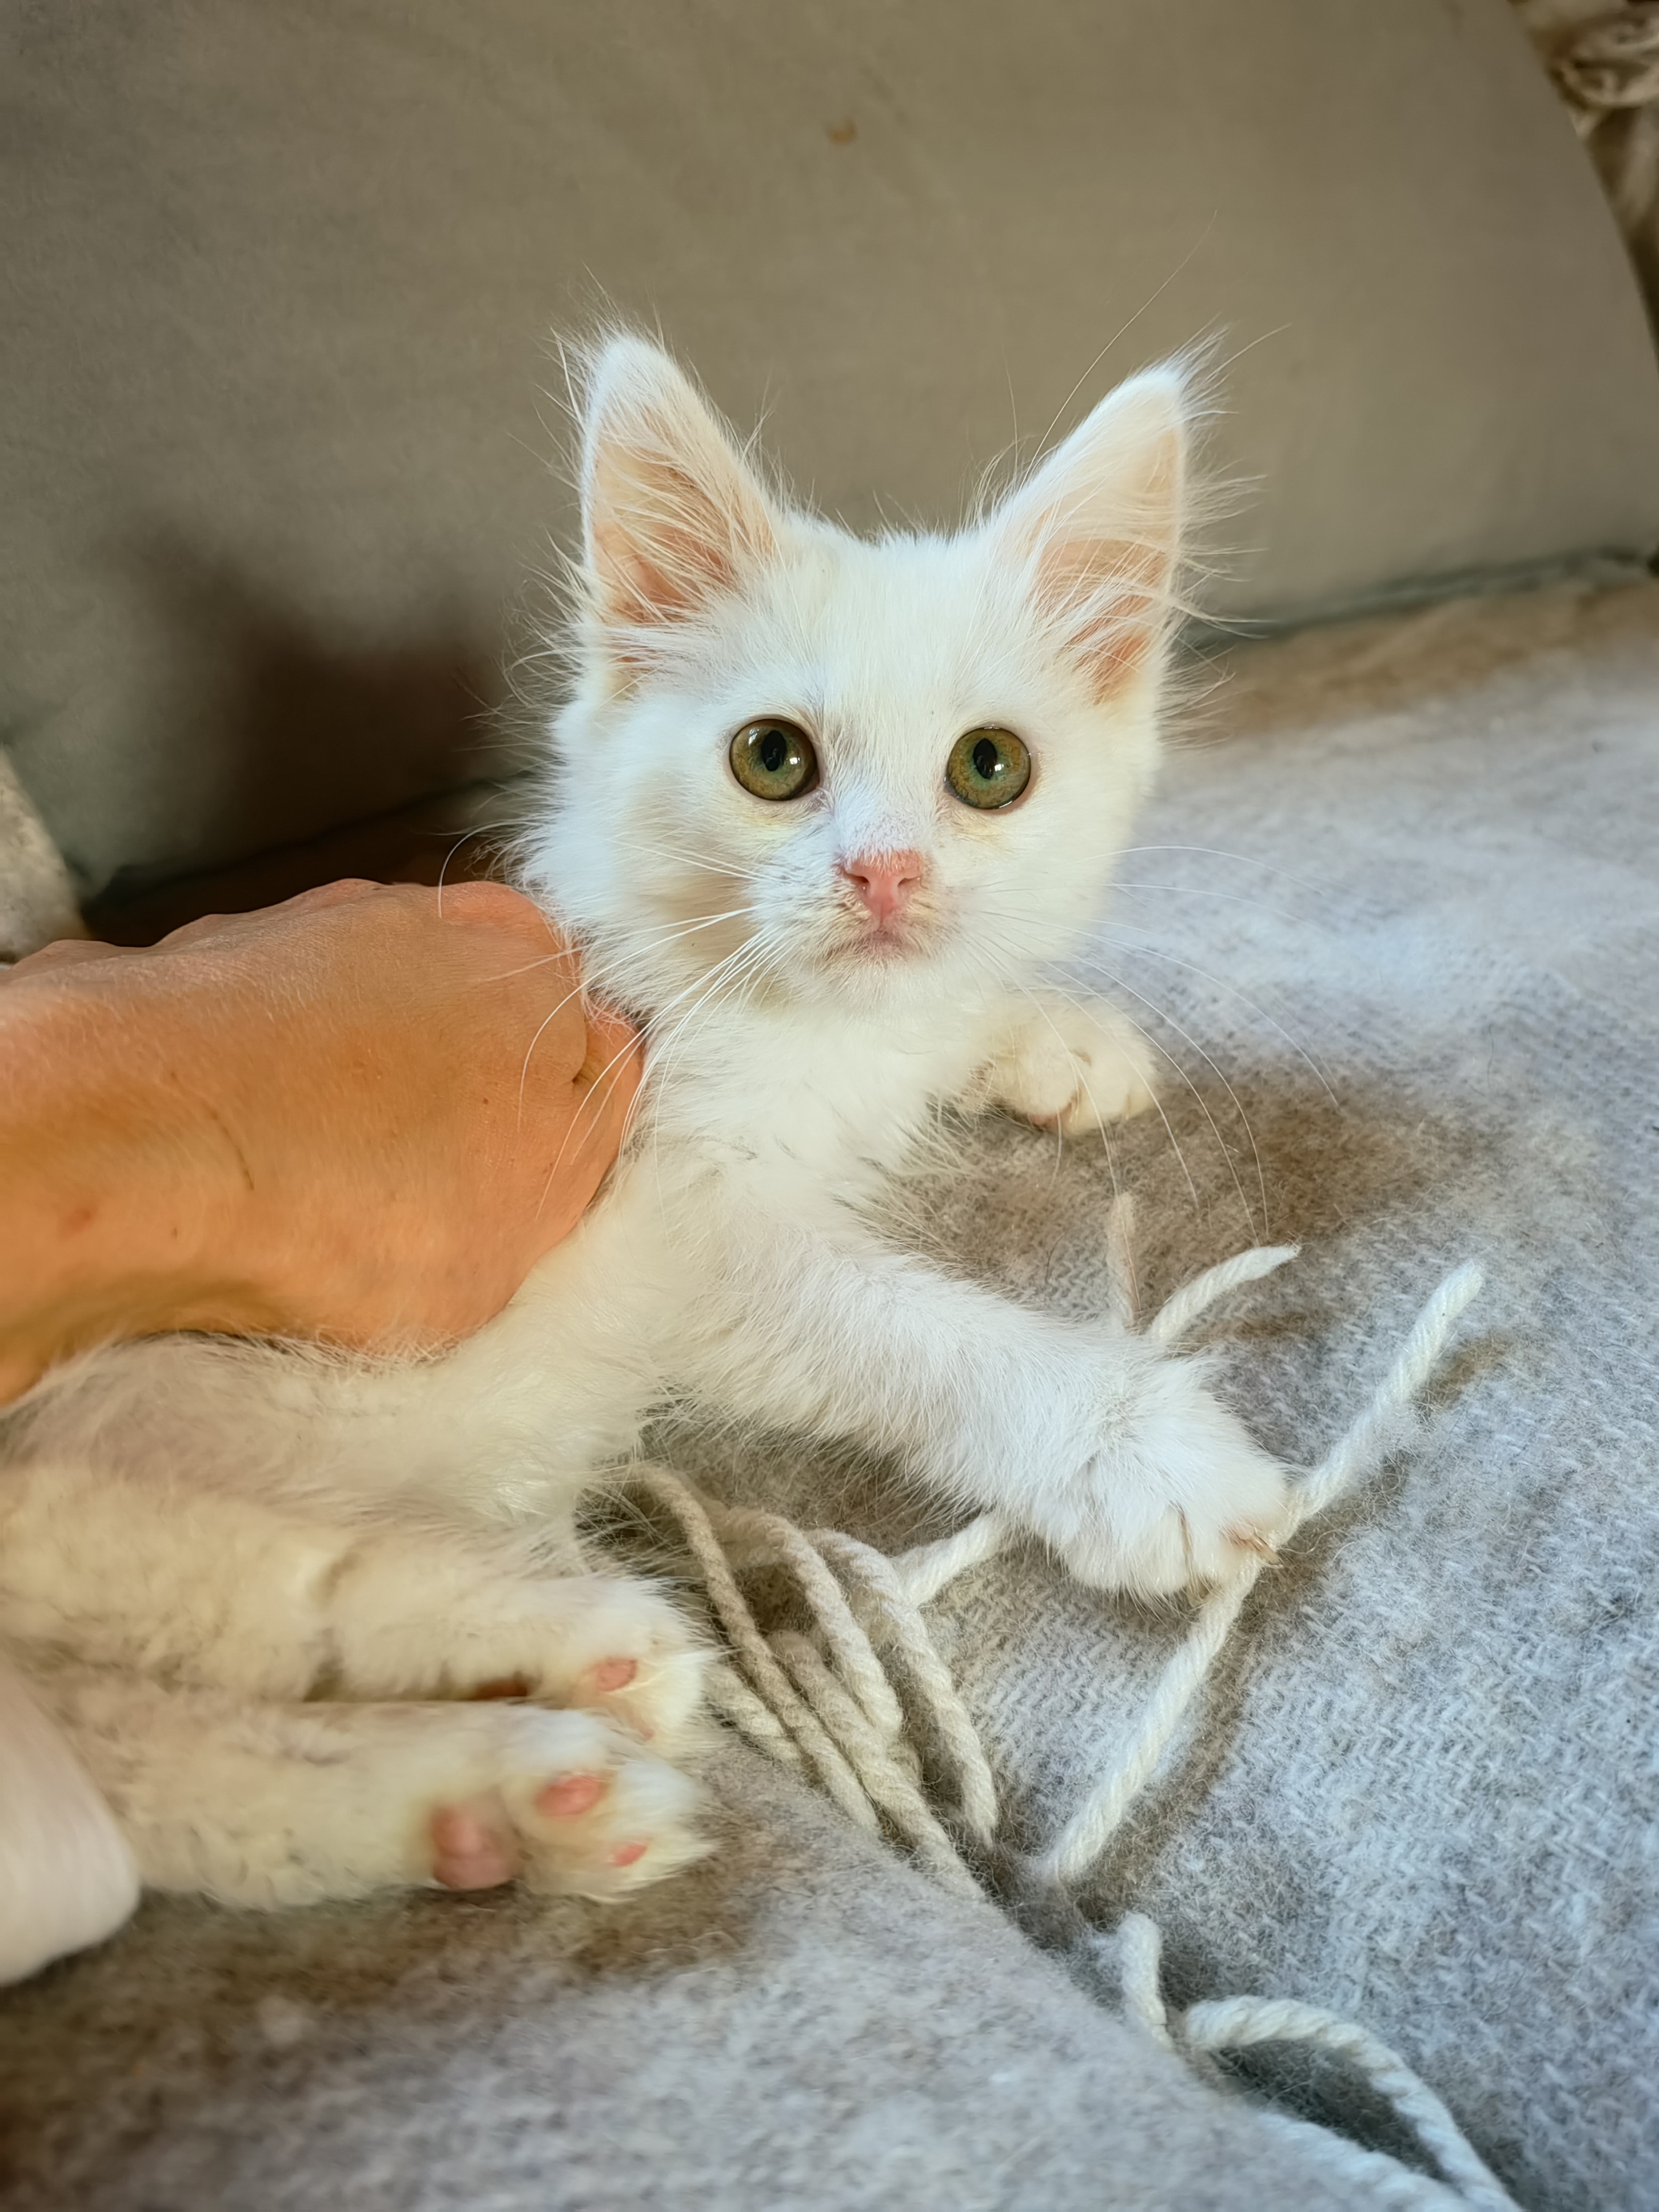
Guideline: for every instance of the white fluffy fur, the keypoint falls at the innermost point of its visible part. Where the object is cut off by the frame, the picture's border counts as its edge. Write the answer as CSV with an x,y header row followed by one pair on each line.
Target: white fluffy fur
x,y
197,1542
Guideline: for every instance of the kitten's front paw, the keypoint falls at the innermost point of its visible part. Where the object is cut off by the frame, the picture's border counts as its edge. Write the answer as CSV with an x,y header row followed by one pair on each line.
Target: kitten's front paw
x,y
1074,1066
563,1801
1173,1495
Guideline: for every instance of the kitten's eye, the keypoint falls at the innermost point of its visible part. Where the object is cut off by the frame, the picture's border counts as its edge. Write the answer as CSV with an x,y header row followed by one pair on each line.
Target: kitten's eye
x,y
989,767
775,760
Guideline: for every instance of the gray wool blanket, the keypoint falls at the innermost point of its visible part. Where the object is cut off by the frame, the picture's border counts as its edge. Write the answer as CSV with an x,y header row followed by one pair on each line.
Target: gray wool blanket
x,y
1395,919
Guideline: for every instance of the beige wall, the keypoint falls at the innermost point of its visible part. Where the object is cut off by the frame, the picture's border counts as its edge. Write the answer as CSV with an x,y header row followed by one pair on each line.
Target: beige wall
x,y
278,277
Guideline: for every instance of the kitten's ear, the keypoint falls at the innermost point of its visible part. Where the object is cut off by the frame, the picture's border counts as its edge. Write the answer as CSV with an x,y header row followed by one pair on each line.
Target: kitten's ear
x,y
670,515
1099,526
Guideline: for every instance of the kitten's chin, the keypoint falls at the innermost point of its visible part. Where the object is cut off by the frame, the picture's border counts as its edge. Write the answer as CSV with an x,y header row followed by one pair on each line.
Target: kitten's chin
x,y
889,974
883,952
878,959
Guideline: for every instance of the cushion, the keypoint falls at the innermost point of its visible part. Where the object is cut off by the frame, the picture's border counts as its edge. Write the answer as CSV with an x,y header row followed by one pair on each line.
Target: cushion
x,y
279,286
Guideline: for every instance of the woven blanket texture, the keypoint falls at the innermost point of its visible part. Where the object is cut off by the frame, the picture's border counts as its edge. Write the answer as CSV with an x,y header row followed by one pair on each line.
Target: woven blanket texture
x,y
1395,915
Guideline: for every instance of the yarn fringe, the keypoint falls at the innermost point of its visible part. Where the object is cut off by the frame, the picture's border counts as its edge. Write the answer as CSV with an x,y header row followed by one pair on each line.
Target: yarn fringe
x,y
1236,2023
865,1706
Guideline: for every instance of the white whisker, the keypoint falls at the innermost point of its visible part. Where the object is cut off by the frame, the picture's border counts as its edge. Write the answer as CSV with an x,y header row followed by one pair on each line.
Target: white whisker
x,y
1221,983
1202,1104
1245,860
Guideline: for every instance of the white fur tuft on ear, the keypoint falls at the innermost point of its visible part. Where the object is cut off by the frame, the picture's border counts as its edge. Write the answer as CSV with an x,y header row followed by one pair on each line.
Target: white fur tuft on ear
x,y
1100,524
670,514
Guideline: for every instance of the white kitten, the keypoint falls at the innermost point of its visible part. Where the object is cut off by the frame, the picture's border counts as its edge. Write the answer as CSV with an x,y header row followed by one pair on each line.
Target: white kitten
x,y
824,812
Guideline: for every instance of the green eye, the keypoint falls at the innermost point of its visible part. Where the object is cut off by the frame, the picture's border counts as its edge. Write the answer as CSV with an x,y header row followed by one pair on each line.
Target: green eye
x,y
989,767
775,760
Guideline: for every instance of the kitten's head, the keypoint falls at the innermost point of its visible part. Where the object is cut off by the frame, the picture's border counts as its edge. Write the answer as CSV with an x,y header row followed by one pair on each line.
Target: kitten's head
x,y
891,774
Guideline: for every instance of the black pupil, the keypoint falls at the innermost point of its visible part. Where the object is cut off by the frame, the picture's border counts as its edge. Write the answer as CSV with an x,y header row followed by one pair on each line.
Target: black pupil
x,y
773,751
987,758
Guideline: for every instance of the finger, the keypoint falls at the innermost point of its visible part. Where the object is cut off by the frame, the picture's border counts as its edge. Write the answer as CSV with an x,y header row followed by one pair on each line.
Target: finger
x,y
606,1110
20,1369
614,1044
64,952
343,892
501,905
348,889
595,1120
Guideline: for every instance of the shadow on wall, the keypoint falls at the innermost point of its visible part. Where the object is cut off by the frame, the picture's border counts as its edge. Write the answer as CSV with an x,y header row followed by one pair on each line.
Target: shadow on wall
x,y
291,732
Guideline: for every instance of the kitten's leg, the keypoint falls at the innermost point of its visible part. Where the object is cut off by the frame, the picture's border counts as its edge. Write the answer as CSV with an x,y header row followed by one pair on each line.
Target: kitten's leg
x,y
287,1804
510,1423
1114,1454
276,1599
411,1615
1071,1064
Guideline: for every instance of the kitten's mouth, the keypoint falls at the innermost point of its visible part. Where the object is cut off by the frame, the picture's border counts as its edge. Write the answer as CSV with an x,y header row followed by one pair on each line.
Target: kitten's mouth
x,y
882,943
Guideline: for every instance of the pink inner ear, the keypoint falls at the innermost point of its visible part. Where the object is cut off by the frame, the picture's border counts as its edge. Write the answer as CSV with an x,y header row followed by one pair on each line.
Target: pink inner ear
x,y
668,534
676,548
1110,597
664,581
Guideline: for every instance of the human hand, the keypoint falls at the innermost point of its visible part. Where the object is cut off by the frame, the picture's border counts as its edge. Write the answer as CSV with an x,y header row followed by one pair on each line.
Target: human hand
x,y
361,1116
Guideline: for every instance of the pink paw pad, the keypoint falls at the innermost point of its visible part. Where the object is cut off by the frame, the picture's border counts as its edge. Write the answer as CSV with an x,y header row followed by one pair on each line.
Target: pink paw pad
x,y
613,1674
627,1855
468,1852
571,1795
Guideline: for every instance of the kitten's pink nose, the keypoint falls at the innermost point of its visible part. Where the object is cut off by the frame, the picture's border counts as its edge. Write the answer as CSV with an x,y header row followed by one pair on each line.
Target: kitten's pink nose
x,y
884,881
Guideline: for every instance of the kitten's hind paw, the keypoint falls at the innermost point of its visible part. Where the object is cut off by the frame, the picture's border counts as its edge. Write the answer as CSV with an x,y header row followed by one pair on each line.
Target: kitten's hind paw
x,y
637,1660
421,1620
574,1808
473,1844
